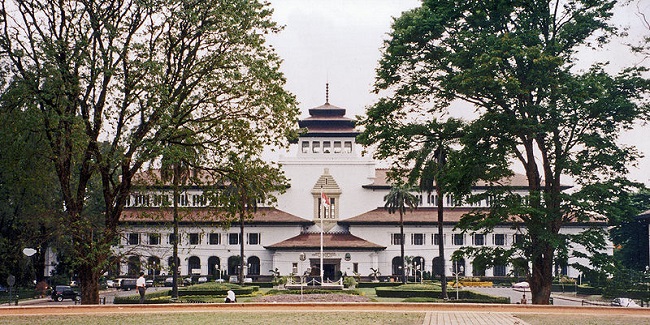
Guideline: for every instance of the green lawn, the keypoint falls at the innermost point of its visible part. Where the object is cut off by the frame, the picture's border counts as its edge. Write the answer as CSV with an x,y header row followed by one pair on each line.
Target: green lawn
x,y
243,318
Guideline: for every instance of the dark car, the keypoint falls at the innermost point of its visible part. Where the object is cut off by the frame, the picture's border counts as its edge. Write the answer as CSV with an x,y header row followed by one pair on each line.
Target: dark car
x,y
128,284
65,292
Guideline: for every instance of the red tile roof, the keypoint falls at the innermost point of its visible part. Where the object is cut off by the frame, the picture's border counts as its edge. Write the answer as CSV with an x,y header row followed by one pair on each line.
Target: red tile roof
x,y
516,180
418,216
209,215
330,241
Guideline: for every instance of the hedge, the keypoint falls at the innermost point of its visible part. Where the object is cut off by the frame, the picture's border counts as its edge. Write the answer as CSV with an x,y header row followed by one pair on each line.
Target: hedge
x,y
216,291
434,295
377,284
556,287
590,291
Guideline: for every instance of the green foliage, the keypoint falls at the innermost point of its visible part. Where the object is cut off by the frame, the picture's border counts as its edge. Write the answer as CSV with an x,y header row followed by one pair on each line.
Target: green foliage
x,y
115,85
514,63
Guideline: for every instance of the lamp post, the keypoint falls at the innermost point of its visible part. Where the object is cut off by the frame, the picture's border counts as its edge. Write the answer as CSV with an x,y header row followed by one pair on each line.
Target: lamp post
x,y
154,273
456,273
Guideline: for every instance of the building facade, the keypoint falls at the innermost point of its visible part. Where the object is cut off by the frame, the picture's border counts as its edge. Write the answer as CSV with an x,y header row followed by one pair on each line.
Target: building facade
x,y
358,235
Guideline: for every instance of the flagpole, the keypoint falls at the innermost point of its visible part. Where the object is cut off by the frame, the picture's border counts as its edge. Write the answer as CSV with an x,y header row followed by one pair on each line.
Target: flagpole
x,y
322,204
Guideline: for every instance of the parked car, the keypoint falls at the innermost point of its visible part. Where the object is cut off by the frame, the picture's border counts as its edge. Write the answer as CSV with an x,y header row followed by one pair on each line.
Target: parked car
x,y
65,292
128,284
149,283
624,302
169,282
202,279
110,283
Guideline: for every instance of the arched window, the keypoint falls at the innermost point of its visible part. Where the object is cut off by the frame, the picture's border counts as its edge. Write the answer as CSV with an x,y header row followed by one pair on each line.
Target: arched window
x,y
397,265
153,265
114,267
254,265
170,261
133,265
213,265
438,266
193,265
233,265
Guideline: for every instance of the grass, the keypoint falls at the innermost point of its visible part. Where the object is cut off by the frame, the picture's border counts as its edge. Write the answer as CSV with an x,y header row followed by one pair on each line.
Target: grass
x,y
242,318
545,319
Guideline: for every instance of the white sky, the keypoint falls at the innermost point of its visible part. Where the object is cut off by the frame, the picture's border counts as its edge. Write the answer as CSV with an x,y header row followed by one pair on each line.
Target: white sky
x,y
339,41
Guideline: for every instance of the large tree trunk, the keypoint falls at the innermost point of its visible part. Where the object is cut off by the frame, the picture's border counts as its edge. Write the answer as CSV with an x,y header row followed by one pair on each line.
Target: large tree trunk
x,y
88,276
542,278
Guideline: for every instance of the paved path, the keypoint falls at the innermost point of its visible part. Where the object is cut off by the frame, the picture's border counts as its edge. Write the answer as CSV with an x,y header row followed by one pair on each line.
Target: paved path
x,y
467,318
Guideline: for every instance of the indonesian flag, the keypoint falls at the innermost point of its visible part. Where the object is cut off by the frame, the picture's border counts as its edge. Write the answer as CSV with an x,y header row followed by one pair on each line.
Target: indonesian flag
x,y
324,199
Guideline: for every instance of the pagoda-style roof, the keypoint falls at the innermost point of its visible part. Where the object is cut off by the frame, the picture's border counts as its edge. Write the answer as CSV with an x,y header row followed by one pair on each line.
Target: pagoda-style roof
x,y
328,121
330,241
149,215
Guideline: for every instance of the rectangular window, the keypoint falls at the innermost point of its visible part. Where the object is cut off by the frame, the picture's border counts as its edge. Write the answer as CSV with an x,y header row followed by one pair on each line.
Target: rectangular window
x,y
182,200
499,270
154,239
170,239
134,238
518,239
199,200
436,239
233,239
315,147
327,147
395,239
355,267
499,239
337,146
347,147
458,239
479,239
214,239
305,146
254,238
417,239
194,238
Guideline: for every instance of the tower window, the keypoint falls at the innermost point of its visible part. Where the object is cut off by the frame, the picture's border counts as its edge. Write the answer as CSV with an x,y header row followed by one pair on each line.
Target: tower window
x,y
337,146
347,148
305,146
327,147
315,146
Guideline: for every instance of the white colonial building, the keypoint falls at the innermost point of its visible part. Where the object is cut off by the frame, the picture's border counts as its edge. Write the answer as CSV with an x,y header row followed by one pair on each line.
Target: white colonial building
x,y
358,233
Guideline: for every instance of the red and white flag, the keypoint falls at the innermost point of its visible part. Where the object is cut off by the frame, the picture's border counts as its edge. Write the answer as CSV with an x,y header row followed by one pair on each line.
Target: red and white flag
x,y
324,199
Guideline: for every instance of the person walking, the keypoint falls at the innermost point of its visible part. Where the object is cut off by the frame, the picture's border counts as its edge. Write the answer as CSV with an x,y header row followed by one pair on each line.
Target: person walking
x,y
141,285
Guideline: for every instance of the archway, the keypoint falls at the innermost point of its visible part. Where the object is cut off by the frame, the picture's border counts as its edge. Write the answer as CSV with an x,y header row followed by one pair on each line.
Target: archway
x,y
153,265
193,265
233,265
253,265
134,264
213,264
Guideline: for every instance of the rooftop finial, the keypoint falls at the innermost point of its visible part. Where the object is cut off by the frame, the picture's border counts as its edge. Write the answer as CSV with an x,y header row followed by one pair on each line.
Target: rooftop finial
x,y
327,93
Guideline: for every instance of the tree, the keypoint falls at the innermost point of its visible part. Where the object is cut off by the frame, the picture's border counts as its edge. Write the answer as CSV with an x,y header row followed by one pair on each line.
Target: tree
x,y
399,199
421,156
514,62
111,79
30,202
630,236
248,182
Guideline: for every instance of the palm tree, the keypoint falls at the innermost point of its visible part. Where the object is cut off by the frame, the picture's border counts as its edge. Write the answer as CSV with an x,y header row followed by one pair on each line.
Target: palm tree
x,y
400,198
430,170
176,163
